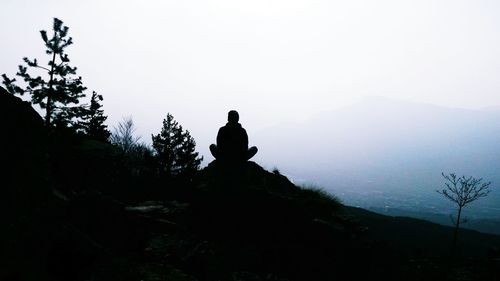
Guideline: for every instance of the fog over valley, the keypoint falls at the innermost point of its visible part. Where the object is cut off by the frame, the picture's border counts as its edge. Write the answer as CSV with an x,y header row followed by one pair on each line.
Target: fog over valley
x,y
389,154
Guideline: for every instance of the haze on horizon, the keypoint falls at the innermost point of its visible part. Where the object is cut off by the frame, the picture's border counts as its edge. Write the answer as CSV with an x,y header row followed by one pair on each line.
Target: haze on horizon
x,y
274,61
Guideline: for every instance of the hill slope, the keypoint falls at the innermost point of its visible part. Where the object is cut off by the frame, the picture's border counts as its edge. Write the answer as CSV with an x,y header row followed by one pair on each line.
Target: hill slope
x,y
76,209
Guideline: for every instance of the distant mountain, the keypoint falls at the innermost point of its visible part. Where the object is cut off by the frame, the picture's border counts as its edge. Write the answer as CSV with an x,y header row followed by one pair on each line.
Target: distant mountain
x,y
492,108
389,153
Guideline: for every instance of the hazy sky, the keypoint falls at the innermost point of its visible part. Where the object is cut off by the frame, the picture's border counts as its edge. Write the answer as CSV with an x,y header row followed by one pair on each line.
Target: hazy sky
x,y
272,60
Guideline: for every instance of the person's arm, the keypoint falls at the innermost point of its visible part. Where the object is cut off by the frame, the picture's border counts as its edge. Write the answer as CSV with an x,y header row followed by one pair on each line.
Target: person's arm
x,y
220,137
245,138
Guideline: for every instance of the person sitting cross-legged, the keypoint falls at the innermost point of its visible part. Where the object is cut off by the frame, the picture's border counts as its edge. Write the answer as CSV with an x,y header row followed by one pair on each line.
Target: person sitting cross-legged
x,y
232,142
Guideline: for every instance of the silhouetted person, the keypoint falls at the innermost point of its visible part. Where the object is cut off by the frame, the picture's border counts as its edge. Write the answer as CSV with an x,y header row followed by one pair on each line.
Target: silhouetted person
x,y
232,142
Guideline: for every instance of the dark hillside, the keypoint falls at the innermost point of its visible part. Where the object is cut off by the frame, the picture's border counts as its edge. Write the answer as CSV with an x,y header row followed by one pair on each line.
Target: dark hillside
x,y
78,209
422,236
27,203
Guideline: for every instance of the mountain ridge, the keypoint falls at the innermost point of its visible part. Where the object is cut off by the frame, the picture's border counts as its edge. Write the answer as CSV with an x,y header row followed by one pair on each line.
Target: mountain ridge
x,y
400,148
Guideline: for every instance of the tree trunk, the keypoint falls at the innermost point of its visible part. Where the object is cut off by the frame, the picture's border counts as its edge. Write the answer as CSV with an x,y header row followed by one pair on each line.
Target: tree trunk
x,y
48,112
457,226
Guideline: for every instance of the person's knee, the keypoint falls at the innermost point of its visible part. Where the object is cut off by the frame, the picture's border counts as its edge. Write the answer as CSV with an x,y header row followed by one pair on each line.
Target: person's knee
x,y
251,152
214,150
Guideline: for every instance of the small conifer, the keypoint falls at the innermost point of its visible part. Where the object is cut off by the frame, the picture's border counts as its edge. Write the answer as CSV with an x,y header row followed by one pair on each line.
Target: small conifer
x,y
175,150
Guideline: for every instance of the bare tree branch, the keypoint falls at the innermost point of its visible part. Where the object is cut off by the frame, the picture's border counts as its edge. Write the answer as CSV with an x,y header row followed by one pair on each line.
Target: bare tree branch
x,y
462,191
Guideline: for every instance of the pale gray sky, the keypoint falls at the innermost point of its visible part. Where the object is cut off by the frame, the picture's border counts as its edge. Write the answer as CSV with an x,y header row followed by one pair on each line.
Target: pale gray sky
x,y
273,61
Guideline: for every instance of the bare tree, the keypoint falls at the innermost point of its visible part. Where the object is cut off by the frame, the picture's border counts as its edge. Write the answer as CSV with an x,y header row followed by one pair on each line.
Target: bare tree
x,y
462,191
123,135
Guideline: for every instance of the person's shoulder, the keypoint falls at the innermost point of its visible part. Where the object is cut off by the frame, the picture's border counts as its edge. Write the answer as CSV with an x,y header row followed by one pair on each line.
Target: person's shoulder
x,y
241,129
226,129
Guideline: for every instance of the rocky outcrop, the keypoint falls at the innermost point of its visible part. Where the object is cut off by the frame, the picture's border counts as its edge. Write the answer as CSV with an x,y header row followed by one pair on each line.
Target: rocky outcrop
x,y
25,191
24,159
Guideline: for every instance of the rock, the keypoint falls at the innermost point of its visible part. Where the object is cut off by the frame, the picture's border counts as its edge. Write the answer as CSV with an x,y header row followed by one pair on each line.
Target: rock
x,y
26,198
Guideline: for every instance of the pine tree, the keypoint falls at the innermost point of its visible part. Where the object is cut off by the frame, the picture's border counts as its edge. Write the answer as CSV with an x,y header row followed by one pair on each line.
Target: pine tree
x,y
175,150
60,91
92,123
187,156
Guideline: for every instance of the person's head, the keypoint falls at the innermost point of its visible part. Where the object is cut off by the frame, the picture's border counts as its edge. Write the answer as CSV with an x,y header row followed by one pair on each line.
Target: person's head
x,y
233,117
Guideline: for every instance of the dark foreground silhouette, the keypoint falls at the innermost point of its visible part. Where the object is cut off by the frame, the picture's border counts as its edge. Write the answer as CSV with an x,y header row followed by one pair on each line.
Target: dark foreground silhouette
x,y
77,209
232,142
